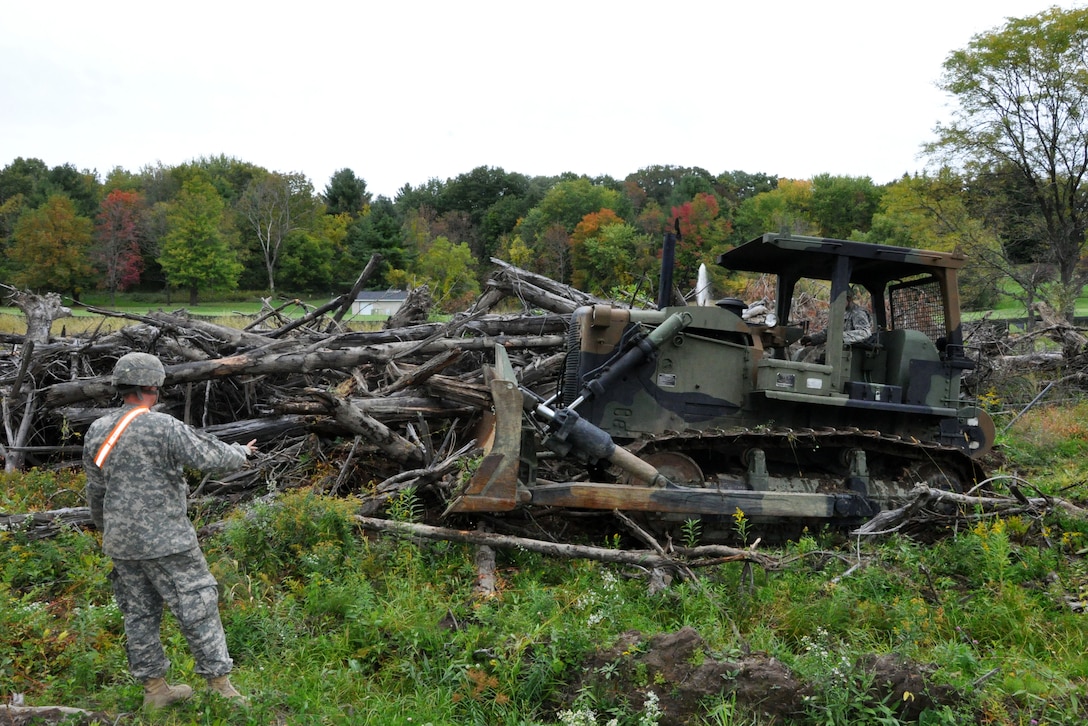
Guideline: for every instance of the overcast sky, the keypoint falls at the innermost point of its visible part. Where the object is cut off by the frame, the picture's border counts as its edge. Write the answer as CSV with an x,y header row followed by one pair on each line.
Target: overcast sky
x,y
401,92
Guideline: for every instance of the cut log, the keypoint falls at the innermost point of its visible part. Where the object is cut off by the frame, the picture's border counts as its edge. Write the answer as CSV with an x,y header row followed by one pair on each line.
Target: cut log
x,y
374,431
40,525
486,579
488,326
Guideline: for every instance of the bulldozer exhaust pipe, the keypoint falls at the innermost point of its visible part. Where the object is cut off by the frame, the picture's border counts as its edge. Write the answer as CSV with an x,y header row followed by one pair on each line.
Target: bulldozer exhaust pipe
x,y
668,262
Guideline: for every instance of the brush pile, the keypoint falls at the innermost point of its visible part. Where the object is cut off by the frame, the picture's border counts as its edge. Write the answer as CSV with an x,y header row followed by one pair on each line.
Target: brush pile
x,y
360,412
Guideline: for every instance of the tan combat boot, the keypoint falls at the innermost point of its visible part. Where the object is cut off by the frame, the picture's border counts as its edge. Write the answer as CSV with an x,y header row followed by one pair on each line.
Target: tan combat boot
x,y
222,686
160,694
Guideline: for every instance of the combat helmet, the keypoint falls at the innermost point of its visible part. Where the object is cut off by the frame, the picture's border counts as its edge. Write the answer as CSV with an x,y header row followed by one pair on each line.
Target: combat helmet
x,y
138,369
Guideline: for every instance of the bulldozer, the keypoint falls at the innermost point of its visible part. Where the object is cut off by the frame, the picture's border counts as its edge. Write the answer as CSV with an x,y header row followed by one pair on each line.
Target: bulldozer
x,y
705,412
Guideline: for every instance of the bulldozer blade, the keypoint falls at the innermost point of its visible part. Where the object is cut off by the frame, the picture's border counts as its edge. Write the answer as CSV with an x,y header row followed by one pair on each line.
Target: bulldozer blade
x,y
494,485
703,501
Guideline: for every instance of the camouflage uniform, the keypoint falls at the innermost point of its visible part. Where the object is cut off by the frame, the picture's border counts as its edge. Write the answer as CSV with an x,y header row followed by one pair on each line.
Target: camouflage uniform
x,y
138,502
856,327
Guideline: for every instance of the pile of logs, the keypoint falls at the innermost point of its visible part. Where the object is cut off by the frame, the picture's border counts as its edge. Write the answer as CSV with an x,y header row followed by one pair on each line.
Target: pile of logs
x,y
366,412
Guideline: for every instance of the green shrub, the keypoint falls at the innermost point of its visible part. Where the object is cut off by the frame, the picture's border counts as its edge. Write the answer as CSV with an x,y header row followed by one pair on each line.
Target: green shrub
x,y
292,537
40,490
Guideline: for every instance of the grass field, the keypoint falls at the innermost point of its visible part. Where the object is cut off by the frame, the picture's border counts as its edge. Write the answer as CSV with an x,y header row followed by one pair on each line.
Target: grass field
x,y
232,313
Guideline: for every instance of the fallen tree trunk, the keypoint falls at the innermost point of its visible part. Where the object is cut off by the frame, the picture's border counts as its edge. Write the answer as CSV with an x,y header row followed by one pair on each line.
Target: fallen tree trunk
x,y
538,289
261,363
40,525
489,325
30,715
374,431
646,559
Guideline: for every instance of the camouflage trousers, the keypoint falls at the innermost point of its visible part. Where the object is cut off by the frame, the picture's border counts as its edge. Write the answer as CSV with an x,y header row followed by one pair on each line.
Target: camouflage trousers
x,y
184,584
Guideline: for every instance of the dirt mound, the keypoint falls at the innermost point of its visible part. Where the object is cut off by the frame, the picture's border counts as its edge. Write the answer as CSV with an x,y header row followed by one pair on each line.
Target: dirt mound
x,y
684,676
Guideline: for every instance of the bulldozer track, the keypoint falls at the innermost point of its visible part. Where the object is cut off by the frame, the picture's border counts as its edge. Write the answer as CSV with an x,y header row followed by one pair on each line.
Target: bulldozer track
x,y
819,452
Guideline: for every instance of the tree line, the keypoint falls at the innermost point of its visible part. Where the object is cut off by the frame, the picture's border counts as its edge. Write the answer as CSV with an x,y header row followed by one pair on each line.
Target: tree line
x,y
1004,185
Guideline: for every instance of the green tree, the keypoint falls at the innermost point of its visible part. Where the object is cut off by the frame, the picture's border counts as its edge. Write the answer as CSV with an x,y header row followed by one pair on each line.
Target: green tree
x,y
785,208
425,195
1022,93
513,249
81,187
196,250
36,182
733,187
842,205
229,176
449,270
159,184
50,246
501,218
490,197
274,206
346,194
333,230
10,210
308,260
378,232
667,185
607,253
122,180
934,213
26,177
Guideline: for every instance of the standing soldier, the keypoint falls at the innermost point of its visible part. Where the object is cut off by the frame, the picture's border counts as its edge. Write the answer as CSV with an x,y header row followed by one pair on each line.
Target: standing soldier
x,y
137,493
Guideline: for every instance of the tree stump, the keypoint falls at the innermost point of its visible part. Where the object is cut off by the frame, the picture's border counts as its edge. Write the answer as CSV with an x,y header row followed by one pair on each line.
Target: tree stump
x,y
40,312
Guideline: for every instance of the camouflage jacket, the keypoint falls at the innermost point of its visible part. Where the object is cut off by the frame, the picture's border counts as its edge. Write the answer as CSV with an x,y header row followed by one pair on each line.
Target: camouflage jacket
x,y
856,327
138,497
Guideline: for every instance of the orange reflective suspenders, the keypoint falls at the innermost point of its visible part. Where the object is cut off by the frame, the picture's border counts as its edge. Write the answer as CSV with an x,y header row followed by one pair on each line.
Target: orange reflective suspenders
x,y
107,445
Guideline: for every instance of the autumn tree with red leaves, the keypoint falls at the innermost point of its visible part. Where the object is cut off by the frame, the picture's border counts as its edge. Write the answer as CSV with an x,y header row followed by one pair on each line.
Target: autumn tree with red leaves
x,y
118,233
703,233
